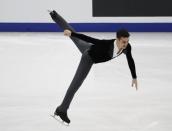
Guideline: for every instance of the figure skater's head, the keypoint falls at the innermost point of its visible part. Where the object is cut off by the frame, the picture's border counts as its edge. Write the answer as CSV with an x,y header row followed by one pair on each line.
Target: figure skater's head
x,y
122,38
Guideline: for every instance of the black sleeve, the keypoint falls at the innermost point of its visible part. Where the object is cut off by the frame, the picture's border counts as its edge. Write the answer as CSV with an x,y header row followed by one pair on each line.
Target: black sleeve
x,y
130,61
86,38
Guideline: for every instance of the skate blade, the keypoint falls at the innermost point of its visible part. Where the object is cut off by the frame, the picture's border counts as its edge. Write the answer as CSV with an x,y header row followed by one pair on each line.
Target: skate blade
x,y
49,11
60,121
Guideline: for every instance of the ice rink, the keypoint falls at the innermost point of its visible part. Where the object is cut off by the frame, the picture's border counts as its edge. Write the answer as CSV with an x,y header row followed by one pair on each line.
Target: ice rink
x,y
37,68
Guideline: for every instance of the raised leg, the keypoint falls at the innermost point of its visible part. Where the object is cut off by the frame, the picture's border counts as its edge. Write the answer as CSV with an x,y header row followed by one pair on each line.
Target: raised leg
x,y
81,45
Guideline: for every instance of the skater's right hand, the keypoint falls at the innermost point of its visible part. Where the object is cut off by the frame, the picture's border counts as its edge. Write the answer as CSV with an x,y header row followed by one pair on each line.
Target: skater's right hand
x,y
134,82
67,32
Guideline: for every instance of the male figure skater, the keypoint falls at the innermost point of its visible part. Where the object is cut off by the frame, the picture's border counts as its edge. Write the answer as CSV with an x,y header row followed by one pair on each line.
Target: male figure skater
x,y
93,51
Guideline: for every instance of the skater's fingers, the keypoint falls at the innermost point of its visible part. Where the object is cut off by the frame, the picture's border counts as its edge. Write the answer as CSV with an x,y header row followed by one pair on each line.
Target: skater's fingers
x,y
136,86
132,84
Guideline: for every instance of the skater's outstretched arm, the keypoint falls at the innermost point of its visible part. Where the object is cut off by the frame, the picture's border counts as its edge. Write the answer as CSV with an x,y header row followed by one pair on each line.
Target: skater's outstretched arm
x,y
82,37
131,65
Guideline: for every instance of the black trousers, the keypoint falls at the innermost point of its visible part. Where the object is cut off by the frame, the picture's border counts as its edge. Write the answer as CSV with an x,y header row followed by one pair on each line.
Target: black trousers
x,y
83,67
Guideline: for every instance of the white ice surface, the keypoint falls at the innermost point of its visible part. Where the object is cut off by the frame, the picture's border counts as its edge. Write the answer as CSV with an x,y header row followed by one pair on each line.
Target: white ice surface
x,y
37,68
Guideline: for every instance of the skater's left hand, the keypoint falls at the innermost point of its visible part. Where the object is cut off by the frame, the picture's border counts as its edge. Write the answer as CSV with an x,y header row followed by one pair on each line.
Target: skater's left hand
x,y
134,82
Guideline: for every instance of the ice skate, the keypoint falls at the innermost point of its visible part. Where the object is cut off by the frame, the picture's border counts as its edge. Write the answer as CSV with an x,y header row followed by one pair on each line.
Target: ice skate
x,y
63,116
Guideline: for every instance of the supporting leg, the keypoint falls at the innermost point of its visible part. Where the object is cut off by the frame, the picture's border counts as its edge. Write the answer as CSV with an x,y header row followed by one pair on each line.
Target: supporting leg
x,y
80,75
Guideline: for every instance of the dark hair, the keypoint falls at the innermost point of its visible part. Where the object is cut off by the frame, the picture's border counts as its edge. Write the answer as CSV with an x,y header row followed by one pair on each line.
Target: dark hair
x,y
122,33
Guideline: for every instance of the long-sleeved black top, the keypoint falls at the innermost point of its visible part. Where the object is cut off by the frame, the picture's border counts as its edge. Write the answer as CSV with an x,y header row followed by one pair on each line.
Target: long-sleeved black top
x,y
102,50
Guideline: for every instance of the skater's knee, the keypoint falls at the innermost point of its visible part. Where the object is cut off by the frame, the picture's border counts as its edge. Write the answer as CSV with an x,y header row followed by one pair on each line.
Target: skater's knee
x,y
86,54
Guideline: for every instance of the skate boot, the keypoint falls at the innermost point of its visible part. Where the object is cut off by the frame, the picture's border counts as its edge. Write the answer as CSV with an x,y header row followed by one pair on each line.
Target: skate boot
x,y
53,15
62,115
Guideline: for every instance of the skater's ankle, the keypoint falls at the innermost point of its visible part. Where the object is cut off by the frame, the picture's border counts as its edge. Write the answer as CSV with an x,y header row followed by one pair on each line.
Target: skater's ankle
x,y
60,109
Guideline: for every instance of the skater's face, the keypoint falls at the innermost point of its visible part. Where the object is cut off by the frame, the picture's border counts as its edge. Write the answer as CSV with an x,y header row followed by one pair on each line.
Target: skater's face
x,y
123,42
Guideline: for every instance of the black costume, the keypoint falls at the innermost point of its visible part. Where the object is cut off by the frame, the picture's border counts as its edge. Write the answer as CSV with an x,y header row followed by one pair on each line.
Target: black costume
x,y
93,51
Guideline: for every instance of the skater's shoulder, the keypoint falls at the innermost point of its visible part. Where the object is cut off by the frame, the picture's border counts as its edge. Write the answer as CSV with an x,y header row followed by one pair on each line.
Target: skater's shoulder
x,y
127,49
108,40
128,46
